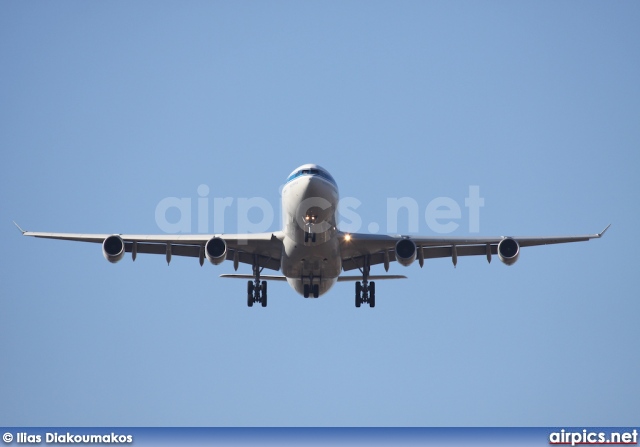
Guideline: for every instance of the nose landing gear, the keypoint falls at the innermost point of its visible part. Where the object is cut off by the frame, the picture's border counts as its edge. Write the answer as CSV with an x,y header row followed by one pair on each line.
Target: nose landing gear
x,y
309,234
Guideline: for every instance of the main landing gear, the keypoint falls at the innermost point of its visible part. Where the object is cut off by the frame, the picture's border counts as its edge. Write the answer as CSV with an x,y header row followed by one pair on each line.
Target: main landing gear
x,y
365,290
256,289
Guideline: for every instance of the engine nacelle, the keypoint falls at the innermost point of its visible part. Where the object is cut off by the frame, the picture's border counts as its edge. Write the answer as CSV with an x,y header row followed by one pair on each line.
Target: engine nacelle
x,y
406,251
113,248
216,250
508,250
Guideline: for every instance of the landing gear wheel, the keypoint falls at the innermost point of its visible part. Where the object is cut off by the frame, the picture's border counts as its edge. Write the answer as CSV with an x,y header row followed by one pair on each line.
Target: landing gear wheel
x,y
316,290
250,294
372,294
305,290
264,294
358,293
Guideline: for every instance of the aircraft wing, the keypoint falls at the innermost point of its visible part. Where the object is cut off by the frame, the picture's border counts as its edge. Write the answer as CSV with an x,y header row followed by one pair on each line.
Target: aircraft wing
x,y
265,248
381,249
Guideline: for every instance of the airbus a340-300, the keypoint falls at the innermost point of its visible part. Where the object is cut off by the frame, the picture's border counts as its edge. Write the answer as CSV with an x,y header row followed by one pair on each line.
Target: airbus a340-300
x,y
310,251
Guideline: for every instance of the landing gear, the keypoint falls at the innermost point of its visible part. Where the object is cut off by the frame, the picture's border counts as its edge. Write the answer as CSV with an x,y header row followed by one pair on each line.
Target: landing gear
x,y
365,293
250,294
311,290
309,222
365,290
256,290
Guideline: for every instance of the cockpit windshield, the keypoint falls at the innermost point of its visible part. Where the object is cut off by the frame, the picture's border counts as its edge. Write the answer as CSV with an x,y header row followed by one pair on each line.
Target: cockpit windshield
x,y
312,171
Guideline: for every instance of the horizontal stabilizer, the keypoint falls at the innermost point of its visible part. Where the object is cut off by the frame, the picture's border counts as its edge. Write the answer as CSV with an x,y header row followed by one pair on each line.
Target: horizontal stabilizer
x,y
340,278
264,277
370,277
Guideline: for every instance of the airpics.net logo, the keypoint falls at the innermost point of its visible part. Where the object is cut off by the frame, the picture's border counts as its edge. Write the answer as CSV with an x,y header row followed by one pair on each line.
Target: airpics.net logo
x,y
207,214
590,437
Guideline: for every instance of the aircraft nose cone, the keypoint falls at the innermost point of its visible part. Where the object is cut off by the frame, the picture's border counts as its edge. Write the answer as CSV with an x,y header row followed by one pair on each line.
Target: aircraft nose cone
x,y
317,200
312,187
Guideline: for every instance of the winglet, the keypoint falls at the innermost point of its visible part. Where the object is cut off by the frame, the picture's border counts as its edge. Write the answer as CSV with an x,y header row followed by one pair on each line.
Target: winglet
x,y
603,231
21,230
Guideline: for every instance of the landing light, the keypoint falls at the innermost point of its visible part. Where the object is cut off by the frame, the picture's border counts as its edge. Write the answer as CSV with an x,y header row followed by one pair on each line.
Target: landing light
x,y
347,237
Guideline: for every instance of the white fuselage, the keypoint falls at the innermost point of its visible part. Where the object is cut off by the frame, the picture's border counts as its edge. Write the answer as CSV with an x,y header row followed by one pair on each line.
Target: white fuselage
x,y
311,253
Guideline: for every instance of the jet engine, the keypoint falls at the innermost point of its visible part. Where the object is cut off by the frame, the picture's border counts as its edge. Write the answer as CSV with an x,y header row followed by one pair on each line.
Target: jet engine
x,y
216,250
113,248
508,250
406,251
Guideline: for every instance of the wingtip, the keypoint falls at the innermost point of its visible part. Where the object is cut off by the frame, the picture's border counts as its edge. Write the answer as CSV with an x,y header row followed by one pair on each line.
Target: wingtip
x,y
21,230
604,231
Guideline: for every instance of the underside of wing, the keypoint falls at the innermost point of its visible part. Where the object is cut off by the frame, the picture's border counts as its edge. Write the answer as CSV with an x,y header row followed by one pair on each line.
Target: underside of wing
x,y
261,249
360,249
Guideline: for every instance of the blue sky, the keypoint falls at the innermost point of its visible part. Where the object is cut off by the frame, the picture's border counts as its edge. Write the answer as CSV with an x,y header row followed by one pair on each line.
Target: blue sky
x,y
108,108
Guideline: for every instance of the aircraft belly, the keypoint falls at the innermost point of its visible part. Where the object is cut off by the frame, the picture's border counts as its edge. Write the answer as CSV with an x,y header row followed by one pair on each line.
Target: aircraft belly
x,y
311,264
324,285
322,260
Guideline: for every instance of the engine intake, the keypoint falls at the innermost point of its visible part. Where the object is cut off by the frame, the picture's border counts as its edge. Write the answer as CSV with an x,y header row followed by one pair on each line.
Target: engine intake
x,y
406,251
508,250
216,250
113,248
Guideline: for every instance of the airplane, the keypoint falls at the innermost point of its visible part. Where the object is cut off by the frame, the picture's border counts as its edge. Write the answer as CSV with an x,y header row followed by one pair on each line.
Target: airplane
x,y
310,251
